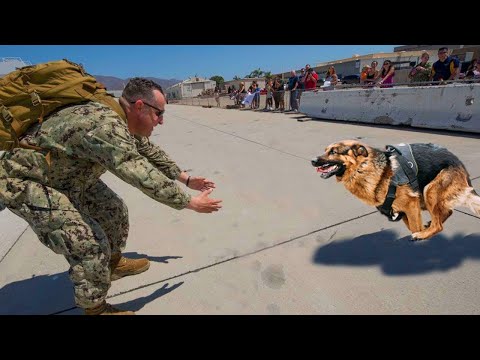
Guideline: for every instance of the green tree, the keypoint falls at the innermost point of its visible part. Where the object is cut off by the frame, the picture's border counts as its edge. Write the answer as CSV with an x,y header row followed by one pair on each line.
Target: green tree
x,y
267,74
219,80
255,73
236,77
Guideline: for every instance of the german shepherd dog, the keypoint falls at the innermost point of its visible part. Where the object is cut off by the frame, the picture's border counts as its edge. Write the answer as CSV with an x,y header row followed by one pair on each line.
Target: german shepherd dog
x,y
365,171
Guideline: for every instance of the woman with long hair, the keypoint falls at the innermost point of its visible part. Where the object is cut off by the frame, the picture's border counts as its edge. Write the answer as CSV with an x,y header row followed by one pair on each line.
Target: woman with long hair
x,y
387,73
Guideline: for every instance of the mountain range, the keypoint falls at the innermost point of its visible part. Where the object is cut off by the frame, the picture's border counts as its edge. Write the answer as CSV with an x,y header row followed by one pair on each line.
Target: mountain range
x,y
114,83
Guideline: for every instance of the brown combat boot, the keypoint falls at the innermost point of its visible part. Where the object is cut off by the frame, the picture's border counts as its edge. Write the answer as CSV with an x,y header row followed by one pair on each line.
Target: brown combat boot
x,y
106,309
122,266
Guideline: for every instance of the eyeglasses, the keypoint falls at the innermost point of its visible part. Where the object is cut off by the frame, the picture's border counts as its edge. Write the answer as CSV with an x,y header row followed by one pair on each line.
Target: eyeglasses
x,y
158,112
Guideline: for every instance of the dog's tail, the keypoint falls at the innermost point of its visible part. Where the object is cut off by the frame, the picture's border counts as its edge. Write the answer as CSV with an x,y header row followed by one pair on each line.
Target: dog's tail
x,y
472,200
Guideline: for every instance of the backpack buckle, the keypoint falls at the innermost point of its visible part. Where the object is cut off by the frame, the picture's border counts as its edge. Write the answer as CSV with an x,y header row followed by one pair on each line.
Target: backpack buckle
x,y
35,98
6,115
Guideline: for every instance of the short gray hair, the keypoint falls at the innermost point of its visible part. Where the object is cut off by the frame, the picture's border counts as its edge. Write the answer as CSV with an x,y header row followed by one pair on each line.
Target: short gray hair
x,y
140,88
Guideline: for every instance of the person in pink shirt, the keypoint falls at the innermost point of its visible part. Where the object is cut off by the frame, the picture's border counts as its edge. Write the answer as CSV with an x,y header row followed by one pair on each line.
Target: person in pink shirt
x,y
387,73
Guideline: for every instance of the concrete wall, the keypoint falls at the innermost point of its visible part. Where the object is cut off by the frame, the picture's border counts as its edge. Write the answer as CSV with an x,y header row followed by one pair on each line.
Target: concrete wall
x,y
451,107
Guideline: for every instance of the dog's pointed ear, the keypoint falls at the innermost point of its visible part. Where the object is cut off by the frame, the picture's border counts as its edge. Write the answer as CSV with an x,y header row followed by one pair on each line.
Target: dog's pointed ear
x,y
360,150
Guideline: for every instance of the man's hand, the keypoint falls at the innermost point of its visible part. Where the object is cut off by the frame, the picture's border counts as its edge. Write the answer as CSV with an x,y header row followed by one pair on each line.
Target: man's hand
x,y
203,204
200,183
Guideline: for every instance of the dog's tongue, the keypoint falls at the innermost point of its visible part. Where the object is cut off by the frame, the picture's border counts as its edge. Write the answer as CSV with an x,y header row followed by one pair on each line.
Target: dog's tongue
x,y
325,169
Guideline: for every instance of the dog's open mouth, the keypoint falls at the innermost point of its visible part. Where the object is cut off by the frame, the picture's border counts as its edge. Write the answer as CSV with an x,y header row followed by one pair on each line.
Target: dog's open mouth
x,y
328,168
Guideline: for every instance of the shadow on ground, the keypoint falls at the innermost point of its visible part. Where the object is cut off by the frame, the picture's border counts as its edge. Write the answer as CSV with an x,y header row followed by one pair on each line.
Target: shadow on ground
x,y
159,259
400,256
48,294
138,303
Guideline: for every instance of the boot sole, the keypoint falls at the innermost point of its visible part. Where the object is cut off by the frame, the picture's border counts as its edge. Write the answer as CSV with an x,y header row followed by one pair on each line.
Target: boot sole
x,y
114,276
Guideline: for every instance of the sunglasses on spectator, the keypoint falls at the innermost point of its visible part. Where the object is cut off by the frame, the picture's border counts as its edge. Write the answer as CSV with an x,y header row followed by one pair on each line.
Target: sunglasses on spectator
x,y
158,112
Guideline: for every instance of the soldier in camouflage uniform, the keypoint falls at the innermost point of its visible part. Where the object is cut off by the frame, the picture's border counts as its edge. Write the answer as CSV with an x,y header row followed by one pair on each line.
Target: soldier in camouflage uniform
x,y
421,71
59,193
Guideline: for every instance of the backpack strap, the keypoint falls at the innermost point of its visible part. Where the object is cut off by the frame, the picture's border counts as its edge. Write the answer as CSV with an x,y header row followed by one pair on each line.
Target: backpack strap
x,y
7,120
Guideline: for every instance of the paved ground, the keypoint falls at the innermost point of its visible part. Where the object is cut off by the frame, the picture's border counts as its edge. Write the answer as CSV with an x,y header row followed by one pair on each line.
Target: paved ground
x,y
285,242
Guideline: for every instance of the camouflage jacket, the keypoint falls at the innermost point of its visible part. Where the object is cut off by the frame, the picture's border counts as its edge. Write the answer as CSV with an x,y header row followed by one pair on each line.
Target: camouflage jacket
x,y
421,75
84,141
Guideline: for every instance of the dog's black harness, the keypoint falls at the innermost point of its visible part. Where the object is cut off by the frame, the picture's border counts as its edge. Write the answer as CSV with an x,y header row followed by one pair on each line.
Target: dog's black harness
x,y
405,174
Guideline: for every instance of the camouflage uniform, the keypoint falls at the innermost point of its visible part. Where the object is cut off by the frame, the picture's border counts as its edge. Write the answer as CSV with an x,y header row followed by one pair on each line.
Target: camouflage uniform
x,y
70,209
422,75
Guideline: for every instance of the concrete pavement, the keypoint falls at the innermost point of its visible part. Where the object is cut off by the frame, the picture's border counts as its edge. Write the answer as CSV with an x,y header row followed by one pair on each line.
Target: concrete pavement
x,y
285,242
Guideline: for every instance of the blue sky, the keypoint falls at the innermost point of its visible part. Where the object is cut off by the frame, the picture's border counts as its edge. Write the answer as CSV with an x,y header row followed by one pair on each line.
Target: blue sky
x,y
182,61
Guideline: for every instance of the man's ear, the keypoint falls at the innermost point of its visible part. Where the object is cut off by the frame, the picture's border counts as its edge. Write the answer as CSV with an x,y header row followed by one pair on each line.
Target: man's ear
x,y
138,105
360,150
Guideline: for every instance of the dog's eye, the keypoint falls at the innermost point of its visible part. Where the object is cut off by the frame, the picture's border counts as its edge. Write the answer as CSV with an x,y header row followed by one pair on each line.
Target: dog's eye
x,y
333,152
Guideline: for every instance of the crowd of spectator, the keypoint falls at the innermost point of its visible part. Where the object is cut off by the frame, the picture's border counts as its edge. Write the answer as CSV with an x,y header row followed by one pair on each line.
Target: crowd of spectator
x,y
446,68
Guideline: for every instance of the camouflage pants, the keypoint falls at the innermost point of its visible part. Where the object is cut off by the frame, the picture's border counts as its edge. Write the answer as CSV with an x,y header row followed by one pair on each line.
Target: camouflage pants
x,y
86,229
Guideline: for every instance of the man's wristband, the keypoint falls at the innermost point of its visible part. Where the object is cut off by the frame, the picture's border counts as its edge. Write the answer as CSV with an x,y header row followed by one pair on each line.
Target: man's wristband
x,y
188,180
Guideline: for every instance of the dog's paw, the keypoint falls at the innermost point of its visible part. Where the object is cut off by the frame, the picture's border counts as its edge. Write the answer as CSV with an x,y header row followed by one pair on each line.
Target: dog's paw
x,y
417,236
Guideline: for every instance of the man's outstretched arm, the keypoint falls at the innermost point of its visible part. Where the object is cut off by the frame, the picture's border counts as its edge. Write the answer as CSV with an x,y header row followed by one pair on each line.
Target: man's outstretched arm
x,y
160,159
112,146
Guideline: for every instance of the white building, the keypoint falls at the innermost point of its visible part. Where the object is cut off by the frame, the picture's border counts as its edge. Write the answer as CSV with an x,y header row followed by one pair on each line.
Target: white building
x,y
191,87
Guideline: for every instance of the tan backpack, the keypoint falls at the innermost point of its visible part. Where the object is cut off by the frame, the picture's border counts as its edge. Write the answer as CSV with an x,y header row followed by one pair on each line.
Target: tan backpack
x,y
31,93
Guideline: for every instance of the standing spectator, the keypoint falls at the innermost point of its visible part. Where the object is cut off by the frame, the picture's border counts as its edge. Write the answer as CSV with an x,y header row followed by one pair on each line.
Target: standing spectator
x,y
387,73
372,73
217,96
251,90
242,92
446,68
269,100
256,98
278,94
314,73
332,76
301,84
331,80
421,71
476,72
292,86
364,74
469,74
310,80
